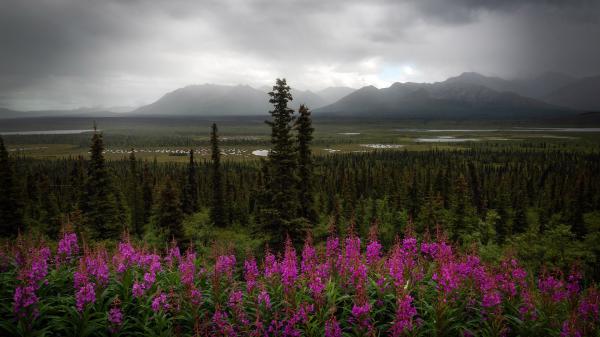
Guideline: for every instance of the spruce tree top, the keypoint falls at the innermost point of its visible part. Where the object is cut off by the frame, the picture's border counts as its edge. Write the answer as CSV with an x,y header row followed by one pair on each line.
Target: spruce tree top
x,y
280,96
281,126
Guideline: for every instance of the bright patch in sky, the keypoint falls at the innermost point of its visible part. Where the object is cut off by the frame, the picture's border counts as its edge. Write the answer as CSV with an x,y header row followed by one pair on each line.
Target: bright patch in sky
x,y
399,73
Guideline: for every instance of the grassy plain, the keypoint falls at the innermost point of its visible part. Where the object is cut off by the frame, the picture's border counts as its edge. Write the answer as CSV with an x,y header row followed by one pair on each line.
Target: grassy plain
x,y
168,139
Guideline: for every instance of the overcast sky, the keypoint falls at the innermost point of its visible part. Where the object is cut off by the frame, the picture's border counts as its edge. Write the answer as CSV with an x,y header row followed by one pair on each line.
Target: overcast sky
x,y
71,53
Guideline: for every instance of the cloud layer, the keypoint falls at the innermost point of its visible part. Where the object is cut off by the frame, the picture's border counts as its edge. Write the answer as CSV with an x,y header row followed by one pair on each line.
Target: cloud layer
x,y
71,53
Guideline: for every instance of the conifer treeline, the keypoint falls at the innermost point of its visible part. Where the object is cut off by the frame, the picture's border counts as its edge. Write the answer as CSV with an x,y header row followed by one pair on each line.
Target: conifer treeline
x,y
11,209
560,186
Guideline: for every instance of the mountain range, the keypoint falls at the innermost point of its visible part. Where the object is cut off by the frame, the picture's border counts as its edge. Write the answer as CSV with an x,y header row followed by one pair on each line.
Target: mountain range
x,y
469,95
221,100
466,96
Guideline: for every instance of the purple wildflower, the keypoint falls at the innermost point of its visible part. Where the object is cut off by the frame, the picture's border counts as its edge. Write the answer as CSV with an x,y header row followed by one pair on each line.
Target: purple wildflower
x,y
86,294
222,325
235,299
174,255
80,278
195,296
149,279
573,286
264,299
373,252
67,246
404,316
126,257
138,289
332,328
527,308
289,266
552,287
250,274
97,267
570,330
187,269
160,302
360,310
271,266
309,258
115,316
24,298
316,286
225,265
589,306
491,299
332,247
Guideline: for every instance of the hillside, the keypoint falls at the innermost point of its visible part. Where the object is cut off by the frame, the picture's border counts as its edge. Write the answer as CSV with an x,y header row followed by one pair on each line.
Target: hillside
x,y
583,94
334,94
535,87
221,100
450,99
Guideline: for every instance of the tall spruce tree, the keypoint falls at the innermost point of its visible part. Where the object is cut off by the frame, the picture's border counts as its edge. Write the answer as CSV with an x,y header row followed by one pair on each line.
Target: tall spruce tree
x,y
282,163
168,215
218,216
98,204
136,202
304,136
190,188
11,207
147,193
462,210
262,195
77,182
49,213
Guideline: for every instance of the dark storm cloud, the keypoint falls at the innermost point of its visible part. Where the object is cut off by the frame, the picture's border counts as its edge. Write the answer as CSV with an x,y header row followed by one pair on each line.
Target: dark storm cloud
x,y
66,53
462,11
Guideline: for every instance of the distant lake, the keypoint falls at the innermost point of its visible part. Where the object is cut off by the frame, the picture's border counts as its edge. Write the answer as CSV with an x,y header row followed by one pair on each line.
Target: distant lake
x,y
560,129
44,132
445,139
516,129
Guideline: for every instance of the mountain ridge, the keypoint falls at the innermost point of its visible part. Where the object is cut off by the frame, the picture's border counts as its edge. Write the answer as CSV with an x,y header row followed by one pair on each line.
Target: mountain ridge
x,y
448,99
583,94
468,94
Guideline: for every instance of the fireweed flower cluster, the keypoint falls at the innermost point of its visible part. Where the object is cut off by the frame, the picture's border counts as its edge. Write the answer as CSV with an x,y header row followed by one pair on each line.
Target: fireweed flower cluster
x,y
147,265
32,269
404,316
67,247
160,302
271,267
289,267
373,252
251,274
332,328
115,317
225,265
187,269
342,287
85,294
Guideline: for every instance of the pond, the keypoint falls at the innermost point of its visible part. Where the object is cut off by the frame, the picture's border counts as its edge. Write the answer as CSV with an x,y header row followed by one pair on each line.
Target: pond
x,y
445,139
382,146
44,132
260,153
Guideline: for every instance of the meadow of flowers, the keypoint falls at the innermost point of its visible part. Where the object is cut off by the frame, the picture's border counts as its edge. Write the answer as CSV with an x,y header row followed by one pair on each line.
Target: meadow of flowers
x,y
343,287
